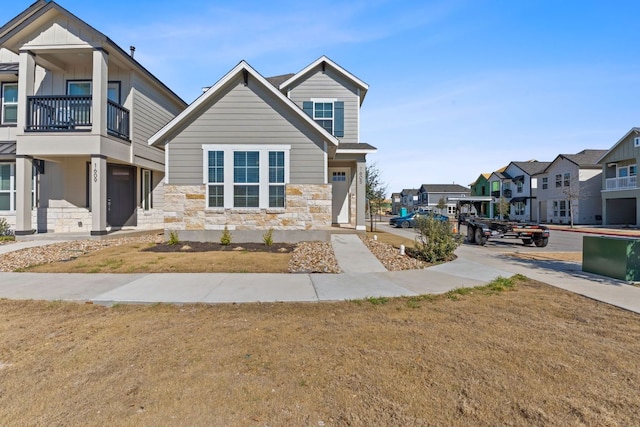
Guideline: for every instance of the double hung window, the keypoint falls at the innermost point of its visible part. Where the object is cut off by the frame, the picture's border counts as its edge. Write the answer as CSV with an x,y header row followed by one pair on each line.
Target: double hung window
x,y
9,103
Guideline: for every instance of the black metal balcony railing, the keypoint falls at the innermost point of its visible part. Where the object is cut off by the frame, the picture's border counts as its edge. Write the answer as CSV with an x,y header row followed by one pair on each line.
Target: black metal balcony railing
x,y
72,113
117,120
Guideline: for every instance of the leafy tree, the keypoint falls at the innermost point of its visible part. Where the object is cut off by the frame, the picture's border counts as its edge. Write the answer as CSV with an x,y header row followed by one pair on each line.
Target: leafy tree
x,y
442,205
435,241
375,190
503,207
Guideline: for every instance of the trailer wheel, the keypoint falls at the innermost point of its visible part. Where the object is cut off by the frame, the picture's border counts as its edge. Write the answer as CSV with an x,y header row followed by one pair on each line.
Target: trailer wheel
x,y
541,243
404,224
480,238
527,242
471,238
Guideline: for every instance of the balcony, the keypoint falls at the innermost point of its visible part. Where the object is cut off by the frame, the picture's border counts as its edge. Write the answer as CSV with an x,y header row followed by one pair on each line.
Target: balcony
x,y
621,183
71,113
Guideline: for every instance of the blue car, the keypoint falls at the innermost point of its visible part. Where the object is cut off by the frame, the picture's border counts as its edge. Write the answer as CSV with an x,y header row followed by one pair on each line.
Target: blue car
x,y
410,220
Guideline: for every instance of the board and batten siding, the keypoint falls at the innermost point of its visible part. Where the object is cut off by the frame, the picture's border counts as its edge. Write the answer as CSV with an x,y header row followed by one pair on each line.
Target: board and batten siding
x,y
150,111
247,115
624,151
331,85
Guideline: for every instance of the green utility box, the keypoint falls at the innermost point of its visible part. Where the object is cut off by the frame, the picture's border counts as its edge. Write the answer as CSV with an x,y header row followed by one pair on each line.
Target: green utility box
x,y
612,256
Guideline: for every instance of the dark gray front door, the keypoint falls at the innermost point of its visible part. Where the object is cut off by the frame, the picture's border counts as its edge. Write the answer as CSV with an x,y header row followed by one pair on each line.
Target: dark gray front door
x,y
121,196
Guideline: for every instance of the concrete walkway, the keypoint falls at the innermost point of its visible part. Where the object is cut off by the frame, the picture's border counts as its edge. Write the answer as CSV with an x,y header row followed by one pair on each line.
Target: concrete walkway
x,y
362,278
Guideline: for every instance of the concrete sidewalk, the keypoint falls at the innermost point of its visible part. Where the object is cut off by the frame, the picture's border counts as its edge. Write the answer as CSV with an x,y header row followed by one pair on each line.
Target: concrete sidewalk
x,y
362,279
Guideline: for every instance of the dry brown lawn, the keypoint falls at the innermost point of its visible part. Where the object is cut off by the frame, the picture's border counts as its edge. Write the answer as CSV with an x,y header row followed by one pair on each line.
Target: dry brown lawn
x,y
550,256
132,258
535,355
391,239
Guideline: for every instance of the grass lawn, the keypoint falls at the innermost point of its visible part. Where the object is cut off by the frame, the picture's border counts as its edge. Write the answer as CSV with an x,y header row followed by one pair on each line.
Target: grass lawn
x,y
530,355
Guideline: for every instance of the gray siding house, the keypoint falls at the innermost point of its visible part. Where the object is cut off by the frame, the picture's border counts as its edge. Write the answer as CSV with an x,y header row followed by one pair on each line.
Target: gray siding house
x,y
620,191
253,154
76,115
571,184
430,195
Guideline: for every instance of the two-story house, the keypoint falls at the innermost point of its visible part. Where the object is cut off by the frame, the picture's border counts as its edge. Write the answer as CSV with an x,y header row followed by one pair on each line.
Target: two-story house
x,y
620,191
569,189
409,199
253,154
396,203
76,114
518,186
481,188
432,196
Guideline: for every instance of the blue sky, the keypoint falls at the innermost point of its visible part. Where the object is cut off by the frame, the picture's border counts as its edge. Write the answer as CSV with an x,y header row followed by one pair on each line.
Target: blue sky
x,y
457,87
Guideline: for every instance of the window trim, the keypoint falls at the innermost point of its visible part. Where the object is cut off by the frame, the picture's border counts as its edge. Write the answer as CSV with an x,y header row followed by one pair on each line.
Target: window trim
x,y
113,83
4,104
545,182
146,204
12,187
331,101
229,182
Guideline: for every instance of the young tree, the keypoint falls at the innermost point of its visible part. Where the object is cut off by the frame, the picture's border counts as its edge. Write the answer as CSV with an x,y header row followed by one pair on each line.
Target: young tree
x,y
442,204
503,207
375,189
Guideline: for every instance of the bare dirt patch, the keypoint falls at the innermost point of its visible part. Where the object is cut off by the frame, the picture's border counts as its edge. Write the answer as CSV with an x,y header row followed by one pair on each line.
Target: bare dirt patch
x,y
533,356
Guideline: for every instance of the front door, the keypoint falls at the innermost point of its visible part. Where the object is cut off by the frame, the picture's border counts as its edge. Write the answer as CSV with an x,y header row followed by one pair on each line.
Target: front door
x,y
340,181
121,196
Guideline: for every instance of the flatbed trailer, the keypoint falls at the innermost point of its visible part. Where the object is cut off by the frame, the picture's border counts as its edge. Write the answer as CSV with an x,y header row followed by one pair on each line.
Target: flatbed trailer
x,y
479,230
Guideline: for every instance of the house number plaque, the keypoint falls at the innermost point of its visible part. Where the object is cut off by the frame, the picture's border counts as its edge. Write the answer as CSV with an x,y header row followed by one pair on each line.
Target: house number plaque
x,y
95,172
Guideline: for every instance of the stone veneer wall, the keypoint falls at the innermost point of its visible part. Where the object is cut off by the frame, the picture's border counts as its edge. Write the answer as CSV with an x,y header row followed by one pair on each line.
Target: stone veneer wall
x,y
308,207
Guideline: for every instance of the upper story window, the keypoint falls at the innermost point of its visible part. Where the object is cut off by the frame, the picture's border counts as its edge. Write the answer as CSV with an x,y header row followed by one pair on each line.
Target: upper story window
x,y
567,179
519,186
328,113
256,176
84,88
545,183
9,103
558,181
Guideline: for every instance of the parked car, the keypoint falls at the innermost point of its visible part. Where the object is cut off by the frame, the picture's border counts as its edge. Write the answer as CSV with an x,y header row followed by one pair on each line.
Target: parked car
x,y
409,220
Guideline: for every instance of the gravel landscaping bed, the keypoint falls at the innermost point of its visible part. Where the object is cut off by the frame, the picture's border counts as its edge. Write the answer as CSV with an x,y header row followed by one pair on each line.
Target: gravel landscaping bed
x,y
307,257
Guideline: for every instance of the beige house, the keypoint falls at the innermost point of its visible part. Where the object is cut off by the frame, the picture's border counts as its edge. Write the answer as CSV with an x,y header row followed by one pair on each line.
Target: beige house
x,y
76,115
620,191
253,154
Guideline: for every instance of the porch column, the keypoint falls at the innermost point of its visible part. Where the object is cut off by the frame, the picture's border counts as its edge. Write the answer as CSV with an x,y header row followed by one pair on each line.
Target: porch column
x,y
24,176
99,92
26,85
98,195
361,190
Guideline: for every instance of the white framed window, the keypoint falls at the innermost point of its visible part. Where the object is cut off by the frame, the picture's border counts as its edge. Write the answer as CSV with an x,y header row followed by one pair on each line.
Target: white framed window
x,y
545,183
519,208
9,103
323,115
563,208
246,176
555,208
215,179
8,187
451,210
519,186
558,180
636,141
147,189
567,179
633,170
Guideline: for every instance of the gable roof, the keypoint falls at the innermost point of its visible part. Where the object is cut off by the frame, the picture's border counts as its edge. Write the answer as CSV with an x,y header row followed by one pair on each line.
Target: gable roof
x,y
444,188
409,192
620,141
531,167
587,159
197,107
278,80
484,175
324,61
41,7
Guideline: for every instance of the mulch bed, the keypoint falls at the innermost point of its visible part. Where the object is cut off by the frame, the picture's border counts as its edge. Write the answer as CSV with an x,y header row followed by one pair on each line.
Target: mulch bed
x,y
213,247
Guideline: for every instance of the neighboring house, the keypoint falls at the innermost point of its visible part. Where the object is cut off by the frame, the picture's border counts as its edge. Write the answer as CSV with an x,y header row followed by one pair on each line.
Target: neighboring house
x,y
620,191
518,186
409,198
431,195
396,203
76,115
253,154
571,184
481,188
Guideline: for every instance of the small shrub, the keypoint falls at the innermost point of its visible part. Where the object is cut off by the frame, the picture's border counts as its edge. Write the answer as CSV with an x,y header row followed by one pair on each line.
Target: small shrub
x,y
267,237
5,230
435,242
225,239
378,300
173,238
